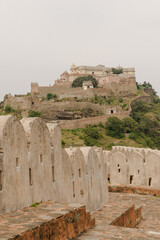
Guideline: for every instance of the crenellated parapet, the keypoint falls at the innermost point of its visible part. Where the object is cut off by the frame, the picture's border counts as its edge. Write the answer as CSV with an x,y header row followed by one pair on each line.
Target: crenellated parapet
x,y
134,166
34,167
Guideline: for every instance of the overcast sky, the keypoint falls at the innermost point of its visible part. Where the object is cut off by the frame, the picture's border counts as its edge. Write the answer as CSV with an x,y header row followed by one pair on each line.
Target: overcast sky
x,y
39,39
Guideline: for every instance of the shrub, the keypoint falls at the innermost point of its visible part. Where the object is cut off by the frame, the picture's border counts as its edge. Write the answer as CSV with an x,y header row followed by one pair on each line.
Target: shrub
x,y
63,143
92,132
34,114
114,127
117,70
110,145
51,96
89,141
139,109
129,125
8,109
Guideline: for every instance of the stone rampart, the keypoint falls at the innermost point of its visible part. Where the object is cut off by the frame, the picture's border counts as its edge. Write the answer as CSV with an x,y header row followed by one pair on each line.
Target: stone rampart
x,y
66,91
34,167
81,123
18,102
133,166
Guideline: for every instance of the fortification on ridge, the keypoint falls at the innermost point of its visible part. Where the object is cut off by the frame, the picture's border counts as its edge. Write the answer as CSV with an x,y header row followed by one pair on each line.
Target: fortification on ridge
x,y
116,80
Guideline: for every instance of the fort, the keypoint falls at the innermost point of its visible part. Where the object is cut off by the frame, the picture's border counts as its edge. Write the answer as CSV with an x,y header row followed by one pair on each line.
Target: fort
x,y
117,80
35,168
70,102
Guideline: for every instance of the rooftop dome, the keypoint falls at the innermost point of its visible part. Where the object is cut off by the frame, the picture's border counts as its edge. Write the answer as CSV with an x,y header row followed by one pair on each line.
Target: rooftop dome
x,y
73,67
119,67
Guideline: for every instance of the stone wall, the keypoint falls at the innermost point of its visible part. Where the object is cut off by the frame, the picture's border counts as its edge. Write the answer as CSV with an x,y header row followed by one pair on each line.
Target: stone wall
x,y
34,167
81,123
66,91
133,166
18,102
50,109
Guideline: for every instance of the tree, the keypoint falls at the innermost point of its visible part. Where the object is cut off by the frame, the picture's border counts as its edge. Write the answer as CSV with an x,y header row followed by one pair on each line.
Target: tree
x,y
117,70
114,127
130,125
92,132
51,96
8,109
139,109
78,82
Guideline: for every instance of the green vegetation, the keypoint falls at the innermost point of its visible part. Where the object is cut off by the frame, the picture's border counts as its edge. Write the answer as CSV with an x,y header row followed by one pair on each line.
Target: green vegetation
x,y
63,143
141,129
34,114
78,82
35,204
117,70
114,127
85,137
9,110
51,96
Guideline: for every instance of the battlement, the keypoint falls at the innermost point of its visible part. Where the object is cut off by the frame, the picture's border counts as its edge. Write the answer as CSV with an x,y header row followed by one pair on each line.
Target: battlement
x,y
34,167
133,166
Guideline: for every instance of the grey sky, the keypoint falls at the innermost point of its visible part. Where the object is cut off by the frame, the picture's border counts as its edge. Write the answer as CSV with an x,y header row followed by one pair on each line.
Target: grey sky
x,y
39,39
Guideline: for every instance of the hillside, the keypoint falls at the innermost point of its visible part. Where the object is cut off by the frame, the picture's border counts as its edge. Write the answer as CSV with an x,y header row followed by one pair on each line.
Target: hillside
x,y
141,129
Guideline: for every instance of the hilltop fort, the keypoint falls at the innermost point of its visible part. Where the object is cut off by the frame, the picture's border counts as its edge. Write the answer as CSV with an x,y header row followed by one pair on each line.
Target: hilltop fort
x,y
88,103
116,80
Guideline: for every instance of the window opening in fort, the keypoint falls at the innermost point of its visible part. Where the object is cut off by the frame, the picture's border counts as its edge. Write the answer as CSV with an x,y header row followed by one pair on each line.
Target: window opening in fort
x,y
150,181
16,162
30,177
73,190
138,171
41,158
131,179
79,170
92,72
109,180
53,177
111,111
118,165
119,170
0,180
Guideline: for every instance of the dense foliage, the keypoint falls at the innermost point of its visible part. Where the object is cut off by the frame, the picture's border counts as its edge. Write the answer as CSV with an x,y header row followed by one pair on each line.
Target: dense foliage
x,y
114,127
117,70
51,96
34,114
78,82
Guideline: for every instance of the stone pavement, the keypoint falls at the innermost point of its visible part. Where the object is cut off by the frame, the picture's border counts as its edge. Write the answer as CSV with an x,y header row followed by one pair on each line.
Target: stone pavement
x,y
48,220
149,228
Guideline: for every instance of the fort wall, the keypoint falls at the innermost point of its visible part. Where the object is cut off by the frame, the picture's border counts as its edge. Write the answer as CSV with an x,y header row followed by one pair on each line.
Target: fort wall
x,y
81,123
133,166
34,167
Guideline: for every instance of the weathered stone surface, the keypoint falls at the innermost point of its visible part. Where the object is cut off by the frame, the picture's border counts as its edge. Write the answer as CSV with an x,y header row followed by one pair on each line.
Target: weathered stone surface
x,y
14,189
93,176
79,177
40,163
118,168
47,221
102,172
148,228
56,156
